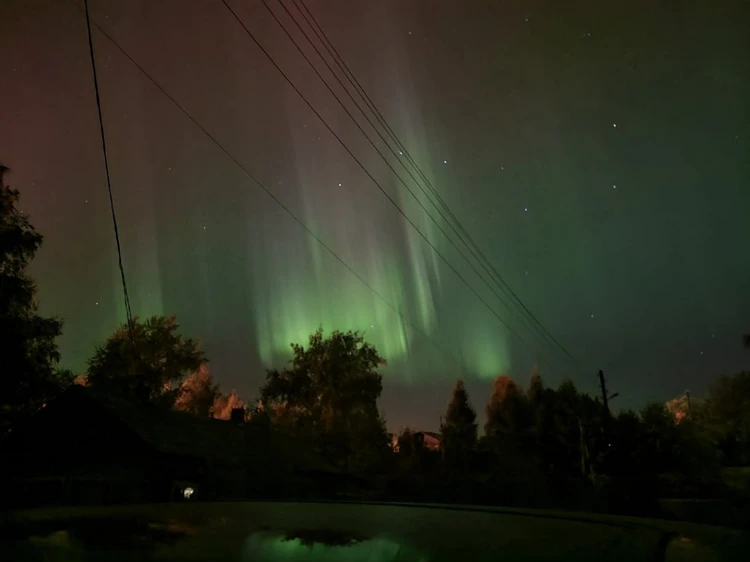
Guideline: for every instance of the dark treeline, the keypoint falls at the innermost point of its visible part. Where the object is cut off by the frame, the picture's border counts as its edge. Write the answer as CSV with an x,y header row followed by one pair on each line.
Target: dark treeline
x,y
540,446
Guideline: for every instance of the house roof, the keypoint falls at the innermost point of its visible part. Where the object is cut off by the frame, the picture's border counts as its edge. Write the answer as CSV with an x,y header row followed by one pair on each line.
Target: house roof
x,y
432,434
184,434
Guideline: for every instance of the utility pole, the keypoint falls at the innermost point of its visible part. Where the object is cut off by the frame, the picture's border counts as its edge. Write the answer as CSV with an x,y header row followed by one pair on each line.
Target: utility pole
x,y
606,397
603,385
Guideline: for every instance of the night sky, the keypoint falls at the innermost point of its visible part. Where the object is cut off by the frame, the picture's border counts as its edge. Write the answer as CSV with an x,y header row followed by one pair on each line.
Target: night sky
x,y
597,152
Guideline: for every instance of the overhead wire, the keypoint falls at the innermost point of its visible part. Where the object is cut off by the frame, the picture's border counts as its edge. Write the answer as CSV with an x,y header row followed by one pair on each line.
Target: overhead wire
x,y
388,164
373,179
268,192
466,238
475,251
128,309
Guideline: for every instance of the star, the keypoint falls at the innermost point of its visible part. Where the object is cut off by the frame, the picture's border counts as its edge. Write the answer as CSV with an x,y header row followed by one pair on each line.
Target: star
x,y
445,161
97,303
592,316
86,201
400,152
204,227
339,185
614,125
525,209
614,187
169,169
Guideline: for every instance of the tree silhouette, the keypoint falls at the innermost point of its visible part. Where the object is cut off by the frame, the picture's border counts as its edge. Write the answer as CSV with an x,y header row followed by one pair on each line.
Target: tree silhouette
x,y
163,359
30,356
225,403
536,388
459,428
198,393
508,409
330,394
726,415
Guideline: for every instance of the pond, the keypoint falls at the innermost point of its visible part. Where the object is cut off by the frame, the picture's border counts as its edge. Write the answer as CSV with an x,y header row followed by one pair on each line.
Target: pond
x,y
338,532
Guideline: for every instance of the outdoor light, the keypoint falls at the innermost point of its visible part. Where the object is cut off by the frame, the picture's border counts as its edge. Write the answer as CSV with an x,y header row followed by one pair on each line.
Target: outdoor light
x,y
187,492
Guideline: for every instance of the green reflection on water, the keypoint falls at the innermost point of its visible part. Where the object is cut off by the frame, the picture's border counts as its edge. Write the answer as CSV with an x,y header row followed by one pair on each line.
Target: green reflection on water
x,y
276,548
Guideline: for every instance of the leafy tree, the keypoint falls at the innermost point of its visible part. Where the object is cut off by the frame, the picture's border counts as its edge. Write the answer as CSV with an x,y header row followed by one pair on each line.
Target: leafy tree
x,y
406,442
507,409
198,393
225,403
30,355
535,393
726,416
154,370
459,428
578,424
330,394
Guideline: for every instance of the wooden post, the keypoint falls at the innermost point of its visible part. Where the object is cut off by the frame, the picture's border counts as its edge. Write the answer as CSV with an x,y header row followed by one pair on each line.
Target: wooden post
x,y
603,385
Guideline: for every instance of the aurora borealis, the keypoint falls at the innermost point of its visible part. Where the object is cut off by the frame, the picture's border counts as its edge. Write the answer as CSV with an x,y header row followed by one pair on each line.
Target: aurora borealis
x,y
596,152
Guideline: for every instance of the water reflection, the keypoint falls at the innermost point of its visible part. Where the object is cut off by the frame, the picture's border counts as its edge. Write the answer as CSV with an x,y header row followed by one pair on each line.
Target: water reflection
x,y
312,546
134,539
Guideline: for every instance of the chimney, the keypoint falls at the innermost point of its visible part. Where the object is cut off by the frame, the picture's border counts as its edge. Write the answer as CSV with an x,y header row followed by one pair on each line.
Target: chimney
x,y
238,416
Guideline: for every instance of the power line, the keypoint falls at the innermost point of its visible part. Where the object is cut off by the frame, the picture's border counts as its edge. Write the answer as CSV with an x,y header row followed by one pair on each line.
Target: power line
x,y
475,251
128,310
382,156
270,193
380,187
470,244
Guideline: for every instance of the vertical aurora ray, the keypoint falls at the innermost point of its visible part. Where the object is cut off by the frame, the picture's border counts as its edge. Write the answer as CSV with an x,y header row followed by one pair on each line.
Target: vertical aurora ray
x,y
305,287
312,288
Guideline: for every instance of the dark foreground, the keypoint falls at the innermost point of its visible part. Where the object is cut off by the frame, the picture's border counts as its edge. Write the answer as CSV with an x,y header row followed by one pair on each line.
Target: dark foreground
x,y
279,531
